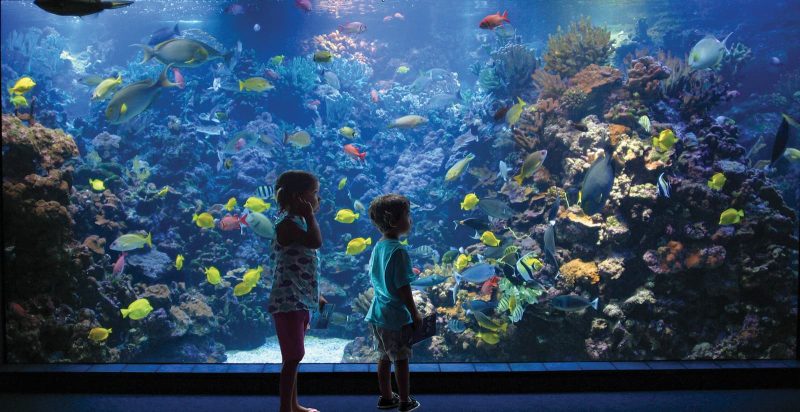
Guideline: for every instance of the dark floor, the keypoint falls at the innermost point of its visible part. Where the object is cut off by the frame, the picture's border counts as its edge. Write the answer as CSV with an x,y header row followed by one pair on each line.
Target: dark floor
x,y
746,400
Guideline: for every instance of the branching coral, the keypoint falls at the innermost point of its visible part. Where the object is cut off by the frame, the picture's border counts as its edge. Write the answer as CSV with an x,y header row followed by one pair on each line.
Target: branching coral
x,y
550,86
583,44
299,73
514,64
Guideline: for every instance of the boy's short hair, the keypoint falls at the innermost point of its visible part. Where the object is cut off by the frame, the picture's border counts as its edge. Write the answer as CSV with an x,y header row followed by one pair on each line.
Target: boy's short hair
x,y
290,183
386,211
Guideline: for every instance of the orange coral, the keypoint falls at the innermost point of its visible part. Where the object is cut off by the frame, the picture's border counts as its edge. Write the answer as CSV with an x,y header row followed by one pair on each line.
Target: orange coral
x,y
96,244
617,131
576,269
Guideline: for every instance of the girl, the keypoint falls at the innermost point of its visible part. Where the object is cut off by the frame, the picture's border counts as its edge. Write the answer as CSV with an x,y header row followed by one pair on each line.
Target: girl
x,y
295,289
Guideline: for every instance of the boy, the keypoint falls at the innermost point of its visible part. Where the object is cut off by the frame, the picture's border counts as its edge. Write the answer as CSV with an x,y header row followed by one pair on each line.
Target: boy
x,y
393,317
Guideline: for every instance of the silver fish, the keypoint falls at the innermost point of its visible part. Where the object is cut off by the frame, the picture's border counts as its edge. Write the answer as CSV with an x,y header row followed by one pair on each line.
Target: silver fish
x,y
663,186
504,169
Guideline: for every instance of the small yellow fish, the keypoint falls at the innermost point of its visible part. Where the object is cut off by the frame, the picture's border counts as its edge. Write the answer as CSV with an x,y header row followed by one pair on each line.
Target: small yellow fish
x,y
347,131
462,261
123,109
107,85
323,56
470,201
488,337
255,84
97,185
163,192
137,310
21,86
212,275
717,181
241,289
19,101
402,70
252,276
665,140
231,204
346,216
99,334
488,323
179,262
204,220
489,239
299,139
277,60
731,216
792,154
342,182
256,204
513,114
358,245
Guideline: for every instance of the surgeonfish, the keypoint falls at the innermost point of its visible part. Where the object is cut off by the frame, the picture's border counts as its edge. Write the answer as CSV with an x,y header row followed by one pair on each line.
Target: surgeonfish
x,y
21,86
346,216
137,310
135,98
474,274
496,208
78,8
99,334
469,202
782,137
212,275
299,139
597,184
572,303
708,52
717,182
101,91
260,224
182,53
357,245
731,216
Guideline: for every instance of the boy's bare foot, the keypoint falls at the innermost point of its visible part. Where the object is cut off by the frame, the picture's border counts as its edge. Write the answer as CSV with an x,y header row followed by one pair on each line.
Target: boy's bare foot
x,y
299,408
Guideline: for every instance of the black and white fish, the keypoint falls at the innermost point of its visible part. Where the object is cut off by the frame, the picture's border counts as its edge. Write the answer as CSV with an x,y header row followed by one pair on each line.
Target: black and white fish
x,y
664,187
265,192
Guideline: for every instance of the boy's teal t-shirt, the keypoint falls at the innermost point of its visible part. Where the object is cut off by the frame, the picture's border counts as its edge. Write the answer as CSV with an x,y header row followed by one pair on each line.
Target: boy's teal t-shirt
x,y
390,269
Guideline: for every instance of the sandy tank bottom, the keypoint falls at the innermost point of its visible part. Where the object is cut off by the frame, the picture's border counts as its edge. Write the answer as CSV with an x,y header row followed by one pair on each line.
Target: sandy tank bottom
x,y
318,350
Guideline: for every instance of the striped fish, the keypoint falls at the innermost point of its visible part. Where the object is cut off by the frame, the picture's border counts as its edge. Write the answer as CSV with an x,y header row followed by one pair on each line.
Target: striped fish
x,y
265,192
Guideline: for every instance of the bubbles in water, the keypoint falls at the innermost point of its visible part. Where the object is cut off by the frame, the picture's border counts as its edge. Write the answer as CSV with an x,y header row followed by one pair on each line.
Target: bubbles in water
x,y
257,27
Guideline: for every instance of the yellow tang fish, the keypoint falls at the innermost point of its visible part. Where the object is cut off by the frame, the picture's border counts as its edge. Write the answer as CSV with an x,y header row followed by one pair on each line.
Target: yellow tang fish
x,y
462,261
204,220
255,84
513,114
731,216
256,204
19,101
717,181
231,204
665,140
97,185
470,201
242,289
23,85
252,276
488,337
489,239
358,245
457,169
346,216
99,334
179,262
137,310
213,276
342,182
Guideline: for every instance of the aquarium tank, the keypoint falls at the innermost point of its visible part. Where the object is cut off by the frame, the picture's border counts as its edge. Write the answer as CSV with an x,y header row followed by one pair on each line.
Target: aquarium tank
x,y
606,180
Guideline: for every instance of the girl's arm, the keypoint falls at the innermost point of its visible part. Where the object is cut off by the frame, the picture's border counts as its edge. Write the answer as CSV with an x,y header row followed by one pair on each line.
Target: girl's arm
x,y
290,233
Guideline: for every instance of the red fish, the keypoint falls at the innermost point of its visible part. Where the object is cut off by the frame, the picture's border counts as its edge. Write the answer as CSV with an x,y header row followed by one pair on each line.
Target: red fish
x,y
415,270
489,285
353,151
373,95
179,78
494,20
232,222
304,5
119,266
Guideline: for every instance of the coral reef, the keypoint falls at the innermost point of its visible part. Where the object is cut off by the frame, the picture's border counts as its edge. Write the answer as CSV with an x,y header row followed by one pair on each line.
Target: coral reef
x,y
550,86
581,45
645,75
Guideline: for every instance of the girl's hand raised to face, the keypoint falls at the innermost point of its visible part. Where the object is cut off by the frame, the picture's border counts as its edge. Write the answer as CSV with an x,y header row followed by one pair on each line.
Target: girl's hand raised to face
x,y
304,207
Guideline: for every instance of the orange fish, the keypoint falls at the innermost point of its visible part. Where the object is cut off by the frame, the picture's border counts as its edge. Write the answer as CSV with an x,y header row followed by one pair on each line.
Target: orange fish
x,y
489,285
373,95
494,20
232,222
353,151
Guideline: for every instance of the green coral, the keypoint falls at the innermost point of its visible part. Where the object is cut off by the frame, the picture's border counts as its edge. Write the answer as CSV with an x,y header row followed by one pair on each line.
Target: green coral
x,y
515,298
583,44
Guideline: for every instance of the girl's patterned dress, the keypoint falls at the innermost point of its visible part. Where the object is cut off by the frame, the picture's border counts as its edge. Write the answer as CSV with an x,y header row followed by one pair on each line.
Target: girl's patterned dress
x,y
296,283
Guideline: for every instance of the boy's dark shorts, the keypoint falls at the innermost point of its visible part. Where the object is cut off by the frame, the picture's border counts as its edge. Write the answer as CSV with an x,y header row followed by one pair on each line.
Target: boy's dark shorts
x,y
393,344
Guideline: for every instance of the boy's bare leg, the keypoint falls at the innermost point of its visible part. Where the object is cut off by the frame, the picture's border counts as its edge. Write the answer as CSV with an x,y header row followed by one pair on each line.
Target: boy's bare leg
x,y
403,379
385,378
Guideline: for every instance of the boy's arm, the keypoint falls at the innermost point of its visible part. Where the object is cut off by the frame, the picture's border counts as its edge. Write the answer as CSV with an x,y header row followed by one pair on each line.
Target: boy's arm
x,y
408,300
404,275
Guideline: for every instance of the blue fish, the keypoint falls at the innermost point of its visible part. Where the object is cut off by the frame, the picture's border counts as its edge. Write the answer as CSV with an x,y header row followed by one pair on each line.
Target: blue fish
x,y
597,184
163,34
663,186
572,303
428,281
478,305
476,274
456,326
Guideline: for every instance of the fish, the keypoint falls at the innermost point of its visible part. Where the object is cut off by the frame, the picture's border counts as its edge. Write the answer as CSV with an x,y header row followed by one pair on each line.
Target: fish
x,y
731,216
449,256
572,303
478,305
353,152
782,137
462,261
256,204
504,169
580,126
277,60
456,326
489,285
203,220
421,82
552,215
234,9
229,222
101,91
494,20
97,185
359,207
135,98
399,16
373,96
488,323
708,52
402,70
90,80
527,265
496,208
458,168
550,244
213,130
22,85
179,262
212,275
597,184
474,223
240,141
242,289
717,181
342,183
79,8
792,154
163,34
347,131
260,224
469,202
428,281
299,139
426,251
304,5
216,84
179,80
182,53
354,27
131,241
251,276
137,310
323,56
530,165
463,140
489,239
476,274
99,334
513,114
19,101
664,187
665,140
442,100
407,122
119,265
346,216
357,245
488,337
255,84
644,121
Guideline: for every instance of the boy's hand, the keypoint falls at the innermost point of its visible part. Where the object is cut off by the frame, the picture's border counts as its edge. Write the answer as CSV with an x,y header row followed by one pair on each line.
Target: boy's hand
x,y
417,320
322,303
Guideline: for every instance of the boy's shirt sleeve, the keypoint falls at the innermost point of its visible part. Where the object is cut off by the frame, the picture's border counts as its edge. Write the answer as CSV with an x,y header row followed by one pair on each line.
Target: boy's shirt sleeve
x,y
400,264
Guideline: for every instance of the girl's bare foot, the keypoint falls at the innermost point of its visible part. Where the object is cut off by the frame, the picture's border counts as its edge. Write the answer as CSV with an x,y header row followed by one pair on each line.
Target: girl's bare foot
x,y
299,408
